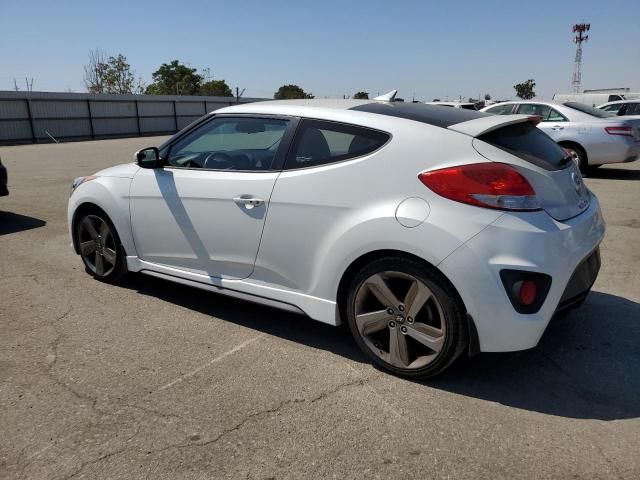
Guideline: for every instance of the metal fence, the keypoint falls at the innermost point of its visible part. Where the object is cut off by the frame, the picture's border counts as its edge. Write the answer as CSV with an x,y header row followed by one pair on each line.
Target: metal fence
x,y
32,117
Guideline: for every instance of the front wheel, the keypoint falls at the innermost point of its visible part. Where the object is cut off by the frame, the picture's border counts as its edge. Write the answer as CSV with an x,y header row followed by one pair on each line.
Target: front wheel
x,y
404,318
100,247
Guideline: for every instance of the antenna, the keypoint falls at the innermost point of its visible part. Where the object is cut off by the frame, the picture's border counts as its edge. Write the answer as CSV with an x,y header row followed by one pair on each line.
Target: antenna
x,y
579,29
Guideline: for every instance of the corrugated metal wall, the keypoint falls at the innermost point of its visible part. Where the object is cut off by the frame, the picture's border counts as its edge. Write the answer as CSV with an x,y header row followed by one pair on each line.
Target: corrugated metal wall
x,y
38,116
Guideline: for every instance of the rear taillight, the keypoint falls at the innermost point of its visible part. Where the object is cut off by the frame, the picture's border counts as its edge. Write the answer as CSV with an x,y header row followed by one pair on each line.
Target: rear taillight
x,y
491,185
624,131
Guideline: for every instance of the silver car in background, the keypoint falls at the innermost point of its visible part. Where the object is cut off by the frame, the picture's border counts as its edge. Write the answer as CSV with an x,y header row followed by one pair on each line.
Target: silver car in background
x,y
622,108
593,137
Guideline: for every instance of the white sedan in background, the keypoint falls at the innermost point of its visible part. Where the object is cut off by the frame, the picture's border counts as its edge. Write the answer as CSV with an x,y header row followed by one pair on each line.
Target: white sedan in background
x,y
622,108
594,137
431,231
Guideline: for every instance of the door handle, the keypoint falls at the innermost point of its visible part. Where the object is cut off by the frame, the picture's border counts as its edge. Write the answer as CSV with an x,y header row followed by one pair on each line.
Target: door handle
x,y
557,127
248,202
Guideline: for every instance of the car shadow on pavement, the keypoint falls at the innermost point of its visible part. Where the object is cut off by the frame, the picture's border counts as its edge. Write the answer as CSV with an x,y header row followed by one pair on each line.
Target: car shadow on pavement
x,y
587,366
614,174
272,321
14,222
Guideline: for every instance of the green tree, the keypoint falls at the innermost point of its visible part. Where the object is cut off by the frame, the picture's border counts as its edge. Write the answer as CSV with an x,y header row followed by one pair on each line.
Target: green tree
x,y
119,77
525,90
287,92
175,78
361,95
109,75
218,88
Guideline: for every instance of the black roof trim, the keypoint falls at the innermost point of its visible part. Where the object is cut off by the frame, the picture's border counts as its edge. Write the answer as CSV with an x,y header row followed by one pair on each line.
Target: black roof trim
x,y
437,115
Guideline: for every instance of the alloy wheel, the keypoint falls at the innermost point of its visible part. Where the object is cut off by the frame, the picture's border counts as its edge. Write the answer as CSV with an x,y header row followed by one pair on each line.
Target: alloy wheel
x,y
97,245
399,319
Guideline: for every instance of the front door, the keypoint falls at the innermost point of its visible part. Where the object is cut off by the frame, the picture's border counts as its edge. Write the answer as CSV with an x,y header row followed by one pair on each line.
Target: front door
x,y
205,210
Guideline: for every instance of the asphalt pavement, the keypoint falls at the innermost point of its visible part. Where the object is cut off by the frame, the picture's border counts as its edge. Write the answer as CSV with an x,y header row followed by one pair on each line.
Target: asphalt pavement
x,y
150,379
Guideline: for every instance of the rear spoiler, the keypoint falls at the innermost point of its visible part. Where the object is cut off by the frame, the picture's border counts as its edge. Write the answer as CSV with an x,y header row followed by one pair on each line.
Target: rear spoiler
x,y
480,126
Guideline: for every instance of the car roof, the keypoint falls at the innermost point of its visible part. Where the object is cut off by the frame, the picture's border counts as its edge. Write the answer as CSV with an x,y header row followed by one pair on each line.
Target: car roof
x,y
615,102
430,114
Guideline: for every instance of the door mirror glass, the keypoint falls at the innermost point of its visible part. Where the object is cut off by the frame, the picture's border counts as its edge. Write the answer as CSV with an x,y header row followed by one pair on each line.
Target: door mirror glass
x,y
148,158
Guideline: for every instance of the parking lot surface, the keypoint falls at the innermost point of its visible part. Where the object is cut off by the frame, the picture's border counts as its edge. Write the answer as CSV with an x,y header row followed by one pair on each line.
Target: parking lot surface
x,y
150,379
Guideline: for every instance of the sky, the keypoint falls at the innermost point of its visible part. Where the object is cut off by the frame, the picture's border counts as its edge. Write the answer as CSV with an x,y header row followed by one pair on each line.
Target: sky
x,y
425,49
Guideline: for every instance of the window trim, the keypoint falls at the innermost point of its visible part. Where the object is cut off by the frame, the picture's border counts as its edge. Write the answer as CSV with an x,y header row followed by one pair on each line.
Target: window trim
x,y
286,166
278,160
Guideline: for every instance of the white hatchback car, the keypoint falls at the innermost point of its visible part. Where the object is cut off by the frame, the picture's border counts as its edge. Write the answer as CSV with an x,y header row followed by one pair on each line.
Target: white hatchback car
x,y
431,231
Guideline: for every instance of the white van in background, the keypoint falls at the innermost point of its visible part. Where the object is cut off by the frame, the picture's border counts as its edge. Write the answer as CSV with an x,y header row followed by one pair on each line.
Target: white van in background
x,y
591,99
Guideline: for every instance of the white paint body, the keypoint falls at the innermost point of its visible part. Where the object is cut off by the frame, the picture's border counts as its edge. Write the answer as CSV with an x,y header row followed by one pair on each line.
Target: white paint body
x,y
292,251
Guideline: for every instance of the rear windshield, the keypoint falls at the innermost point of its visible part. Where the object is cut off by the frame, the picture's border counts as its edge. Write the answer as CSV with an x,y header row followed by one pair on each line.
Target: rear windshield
x,y
528,142
581,107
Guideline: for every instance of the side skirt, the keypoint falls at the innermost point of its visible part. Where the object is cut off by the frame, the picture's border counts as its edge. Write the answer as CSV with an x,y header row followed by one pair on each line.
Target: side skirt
x,y
316,308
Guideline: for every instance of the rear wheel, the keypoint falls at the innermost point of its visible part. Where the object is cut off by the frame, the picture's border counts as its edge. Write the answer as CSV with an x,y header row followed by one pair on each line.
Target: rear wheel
x,y
100,247
404,318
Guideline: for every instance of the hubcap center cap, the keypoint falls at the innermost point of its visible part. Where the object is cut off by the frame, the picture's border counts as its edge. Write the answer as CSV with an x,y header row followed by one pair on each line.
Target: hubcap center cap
x,y
399,318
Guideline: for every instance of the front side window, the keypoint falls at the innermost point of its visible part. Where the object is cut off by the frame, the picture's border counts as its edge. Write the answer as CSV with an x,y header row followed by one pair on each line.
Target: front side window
x,y
230,144
501,109
615,108
320,142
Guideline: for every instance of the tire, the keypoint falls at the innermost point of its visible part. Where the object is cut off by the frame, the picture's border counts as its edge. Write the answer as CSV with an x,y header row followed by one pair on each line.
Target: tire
x,y
99,246
580,157
428,334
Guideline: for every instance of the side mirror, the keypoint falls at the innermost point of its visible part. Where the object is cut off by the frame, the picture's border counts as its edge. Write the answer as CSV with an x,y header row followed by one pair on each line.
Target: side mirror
x,y
148,158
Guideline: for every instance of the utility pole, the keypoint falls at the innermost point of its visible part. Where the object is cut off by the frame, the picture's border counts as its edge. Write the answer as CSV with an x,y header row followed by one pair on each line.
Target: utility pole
x,y
579,29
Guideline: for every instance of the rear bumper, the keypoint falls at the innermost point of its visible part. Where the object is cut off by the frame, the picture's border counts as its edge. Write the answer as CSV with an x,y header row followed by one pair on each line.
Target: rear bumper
x,y
531,242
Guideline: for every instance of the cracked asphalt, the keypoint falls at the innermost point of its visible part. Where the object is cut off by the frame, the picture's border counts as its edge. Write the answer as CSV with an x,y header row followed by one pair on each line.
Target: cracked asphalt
x,y
149,379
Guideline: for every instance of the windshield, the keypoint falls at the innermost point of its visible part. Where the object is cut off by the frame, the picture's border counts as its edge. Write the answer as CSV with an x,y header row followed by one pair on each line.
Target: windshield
x,y
581,107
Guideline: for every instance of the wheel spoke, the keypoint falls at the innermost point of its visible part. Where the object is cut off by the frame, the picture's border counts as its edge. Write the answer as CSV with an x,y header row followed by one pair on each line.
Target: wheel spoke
x,y
109,255
88,247
380,289
427,335
398,350
88,225
417,296
372,322
104,232
99,264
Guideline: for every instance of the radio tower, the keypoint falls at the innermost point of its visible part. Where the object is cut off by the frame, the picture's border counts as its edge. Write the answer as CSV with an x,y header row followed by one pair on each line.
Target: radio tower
x,y
579,29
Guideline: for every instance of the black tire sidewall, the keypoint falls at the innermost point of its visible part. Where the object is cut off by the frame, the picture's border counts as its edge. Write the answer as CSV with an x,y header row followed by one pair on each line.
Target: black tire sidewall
x,y
456,330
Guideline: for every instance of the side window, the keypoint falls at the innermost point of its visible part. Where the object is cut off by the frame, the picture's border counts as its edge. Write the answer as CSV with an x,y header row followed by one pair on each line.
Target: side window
x,y
226,143
320,142
534,109
615,108
633,109
500,109
555,116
